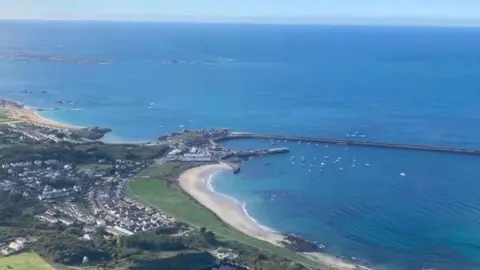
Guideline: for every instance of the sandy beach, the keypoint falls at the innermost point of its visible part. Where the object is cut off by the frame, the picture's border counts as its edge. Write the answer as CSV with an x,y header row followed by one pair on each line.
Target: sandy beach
x,y
21,114
195,183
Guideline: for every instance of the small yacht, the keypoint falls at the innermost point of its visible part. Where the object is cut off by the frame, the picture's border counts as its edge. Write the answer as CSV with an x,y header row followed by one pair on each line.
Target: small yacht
x,y
368,164
403,174
341,169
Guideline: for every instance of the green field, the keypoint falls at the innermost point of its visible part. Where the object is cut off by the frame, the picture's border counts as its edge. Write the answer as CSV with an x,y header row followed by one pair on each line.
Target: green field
x,y
24,261
150,188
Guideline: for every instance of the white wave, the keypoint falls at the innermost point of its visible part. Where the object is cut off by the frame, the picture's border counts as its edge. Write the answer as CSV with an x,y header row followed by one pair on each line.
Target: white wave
x,y
211,188
260,225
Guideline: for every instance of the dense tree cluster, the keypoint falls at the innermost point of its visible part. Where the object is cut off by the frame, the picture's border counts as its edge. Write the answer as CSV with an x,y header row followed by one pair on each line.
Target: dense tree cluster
x,y
17,211
68,249
80,153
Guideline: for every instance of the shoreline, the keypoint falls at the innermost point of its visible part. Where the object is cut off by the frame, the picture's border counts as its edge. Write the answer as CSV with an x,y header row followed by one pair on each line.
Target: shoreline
x,y
20,113
196,182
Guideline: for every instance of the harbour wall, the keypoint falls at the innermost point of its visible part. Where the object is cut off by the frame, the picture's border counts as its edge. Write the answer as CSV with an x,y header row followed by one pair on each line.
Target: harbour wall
x,y
248,135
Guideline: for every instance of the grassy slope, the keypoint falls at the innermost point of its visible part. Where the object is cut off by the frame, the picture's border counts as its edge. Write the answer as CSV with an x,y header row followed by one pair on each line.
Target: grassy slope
x,y
25,261
149,188
4,115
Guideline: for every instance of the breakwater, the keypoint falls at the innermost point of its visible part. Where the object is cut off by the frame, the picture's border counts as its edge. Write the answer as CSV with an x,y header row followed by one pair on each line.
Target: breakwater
x,y
400,146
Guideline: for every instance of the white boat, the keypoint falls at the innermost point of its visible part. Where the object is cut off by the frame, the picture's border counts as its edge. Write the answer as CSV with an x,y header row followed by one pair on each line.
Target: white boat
x,y
402,174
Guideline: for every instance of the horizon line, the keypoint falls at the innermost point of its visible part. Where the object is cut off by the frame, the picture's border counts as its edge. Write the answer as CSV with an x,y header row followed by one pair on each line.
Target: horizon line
x,y
327,21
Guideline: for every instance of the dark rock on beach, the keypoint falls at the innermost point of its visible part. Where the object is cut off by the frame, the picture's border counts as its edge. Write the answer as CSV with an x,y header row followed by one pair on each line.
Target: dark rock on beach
x,y
94,133
299,244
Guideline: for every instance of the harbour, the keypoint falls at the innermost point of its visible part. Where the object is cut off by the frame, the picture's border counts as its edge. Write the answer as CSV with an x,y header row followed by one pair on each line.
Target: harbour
x,y
399,146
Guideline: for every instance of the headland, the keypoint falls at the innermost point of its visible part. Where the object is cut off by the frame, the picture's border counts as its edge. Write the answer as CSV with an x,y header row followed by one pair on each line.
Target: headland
x,y
17,113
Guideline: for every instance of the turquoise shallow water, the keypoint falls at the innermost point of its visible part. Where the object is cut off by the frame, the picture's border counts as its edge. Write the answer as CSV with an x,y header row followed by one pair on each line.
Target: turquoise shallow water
x,y
413,85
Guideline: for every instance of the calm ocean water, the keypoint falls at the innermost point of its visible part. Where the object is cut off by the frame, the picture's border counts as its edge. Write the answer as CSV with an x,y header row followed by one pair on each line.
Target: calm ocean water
x,y
413,85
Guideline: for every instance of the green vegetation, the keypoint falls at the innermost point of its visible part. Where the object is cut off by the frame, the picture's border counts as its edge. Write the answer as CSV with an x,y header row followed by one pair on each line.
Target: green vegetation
x,y
156,187
24,261
4,115
87,153
94,166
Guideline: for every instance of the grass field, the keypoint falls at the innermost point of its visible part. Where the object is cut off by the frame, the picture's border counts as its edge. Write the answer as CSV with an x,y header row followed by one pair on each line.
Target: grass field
x,y
24,261
150,188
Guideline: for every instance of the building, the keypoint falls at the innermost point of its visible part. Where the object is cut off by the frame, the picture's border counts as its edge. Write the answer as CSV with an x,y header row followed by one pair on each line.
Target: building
x,y
21,240
118,231
65,221
16,246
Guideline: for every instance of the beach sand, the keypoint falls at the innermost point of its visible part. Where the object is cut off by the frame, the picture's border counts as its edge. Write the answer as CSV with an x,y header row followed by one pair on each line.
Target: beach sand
x,y
195,183
21,114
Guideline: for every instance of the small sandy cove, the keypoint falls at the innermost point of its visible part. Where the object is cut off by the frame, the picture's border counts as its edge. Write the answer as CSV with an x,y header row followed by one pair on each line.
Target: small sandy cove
x,y
195,183
21,114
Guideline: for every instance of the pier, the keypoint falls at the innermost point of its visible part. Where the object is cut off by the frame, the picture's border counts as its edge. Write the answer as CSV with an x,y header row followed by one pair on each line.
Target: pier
x,y
245,154
248,135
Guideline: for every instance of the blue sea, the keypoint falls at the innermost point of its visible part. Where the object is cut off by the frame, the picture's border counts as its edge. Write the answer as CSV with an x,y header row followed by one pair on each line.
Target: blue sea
x,y
393,209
